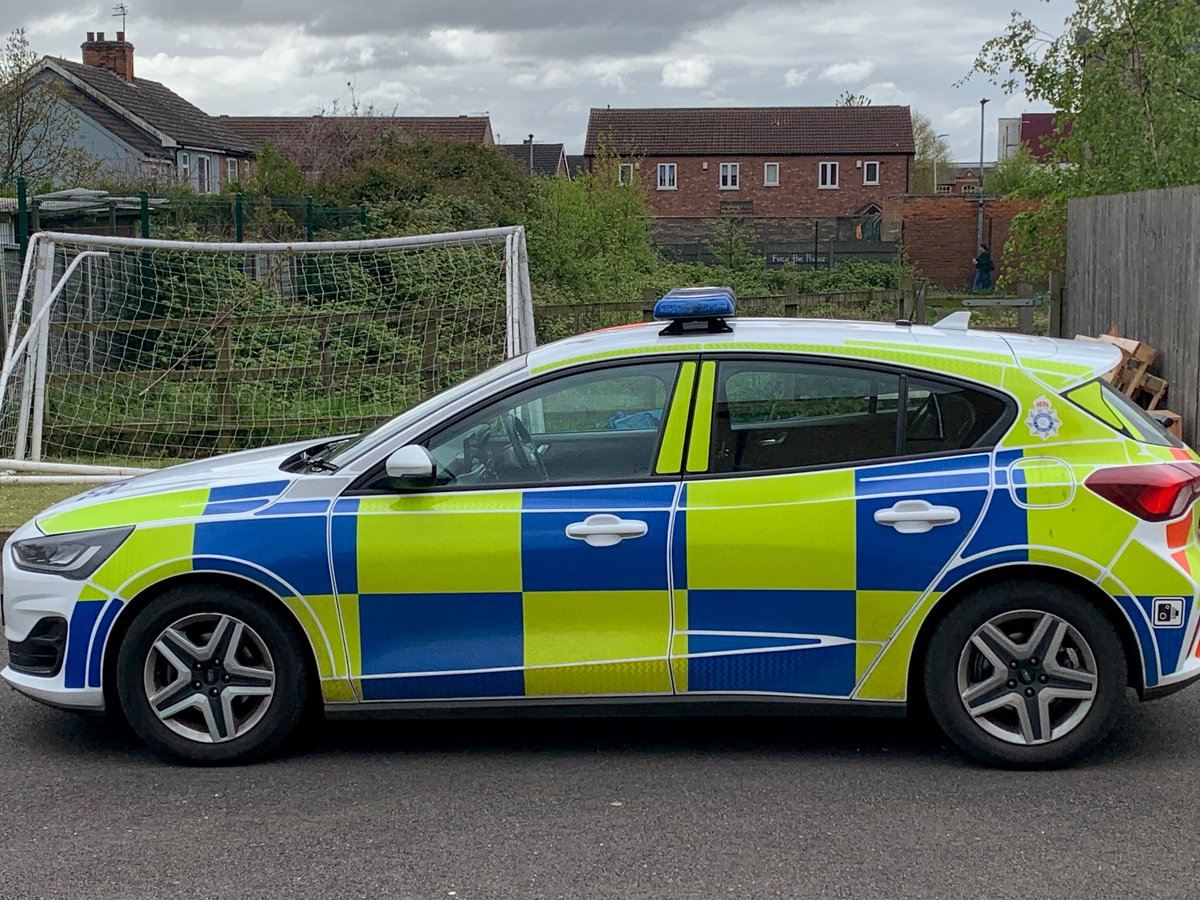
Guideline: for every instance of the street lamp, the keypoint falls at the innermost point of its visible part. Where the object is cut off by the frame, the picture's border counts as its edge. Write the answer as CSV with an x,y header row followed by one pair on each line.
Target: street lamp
x,y
936,138
982,118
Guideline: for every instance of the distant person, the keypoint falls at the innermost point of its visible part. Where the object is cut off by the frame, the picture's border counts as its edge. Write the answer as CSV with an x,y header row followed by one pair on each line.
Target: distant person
x,y
984,267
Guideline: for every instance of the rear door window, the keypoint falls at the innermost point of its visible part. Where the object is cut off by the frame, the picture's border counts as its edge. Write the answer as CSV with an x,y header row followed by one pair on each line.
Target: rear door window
x,y
773,415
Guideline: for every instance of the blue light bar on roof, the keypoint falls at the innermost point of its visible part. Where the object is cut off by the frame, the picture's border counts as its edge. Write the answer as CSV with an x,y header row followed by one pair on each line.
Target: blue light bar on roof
x,y
695,304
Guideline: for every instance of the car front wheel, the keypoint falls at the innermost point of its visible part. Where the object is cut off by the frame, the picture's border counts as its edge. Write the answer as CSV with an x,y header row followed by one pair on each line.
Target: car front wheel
x,y
212,676
1025,675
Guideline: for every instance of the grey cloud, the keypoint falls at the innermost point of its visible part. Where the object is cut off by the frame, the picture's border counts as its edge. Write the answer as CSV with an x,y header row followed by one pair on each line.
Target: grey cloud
x,y
418,16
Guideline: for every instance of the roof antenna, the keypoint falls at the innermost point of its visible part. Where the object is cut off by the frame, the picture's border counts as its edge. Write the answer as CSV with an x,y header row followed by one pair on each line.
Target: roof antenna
x,y
121,10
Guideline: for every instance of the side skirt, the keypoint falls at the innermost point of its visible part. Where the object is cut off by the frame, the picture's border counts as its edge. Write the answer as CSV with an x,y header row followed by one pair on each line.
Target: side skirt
x,y
570,707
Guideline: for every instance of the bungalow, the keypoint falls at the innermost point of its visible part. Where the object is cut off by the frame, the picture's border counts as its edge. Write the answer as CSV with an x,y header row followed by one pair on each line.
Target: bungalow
x,y
137,127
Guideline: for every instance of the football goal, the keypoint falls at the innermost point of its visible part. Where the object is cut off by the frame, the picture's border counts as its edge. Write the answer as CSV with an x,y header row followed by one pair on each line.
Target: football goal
x,y
124,353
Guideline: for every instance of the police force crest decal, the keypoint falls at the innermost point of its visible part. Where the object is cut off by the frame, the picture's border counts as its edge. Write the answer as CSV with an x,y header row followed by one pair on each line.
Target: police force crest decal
x,y
1043,421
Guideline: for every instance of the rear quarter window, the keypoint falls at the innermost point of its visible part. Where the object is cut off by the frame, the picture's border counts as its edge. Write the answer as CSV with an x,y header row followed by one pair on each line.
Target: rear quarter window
x,y
1118,412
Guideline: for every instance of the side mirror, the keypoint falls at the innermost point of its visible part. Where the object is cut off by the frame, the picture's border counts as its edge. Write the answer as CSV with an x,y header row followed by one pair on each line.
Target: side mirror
x,y
412,463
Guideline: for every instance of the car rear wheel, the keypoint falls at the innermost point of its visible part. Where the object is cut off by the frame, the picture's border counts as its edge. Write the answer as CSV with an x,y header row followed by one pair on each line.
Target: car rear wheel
x,y
212,676
1025,675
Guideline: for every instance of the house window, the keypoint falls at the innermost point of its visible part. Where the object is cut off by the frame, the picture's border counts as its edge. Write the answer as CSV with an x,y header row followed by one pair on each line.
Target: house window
x,y
185,168
625,173
666,176
829,175
870,173
945,189
729,176
771,175
970,189
203,174
231,170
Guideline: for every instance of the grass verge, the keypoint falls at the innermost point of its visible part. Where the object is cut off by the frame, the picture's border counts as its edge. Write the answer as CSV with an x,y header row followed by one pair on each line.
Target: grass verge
x,y
21,502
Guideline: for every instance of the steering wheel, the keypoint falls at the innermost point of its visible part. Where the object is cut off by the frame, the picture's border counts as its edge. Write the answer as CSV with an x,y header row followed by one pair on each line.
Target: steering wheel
x,y
524,447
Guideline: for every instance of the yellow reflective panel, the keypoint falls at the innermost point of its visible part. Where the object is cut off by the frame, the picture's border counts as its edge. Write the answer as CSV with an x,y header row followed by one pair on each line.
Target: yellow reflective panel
x,y
147,548
679,641
595,626
316,615
670,457
1145,573
888,680
348,607
128,511
698,446
783,532
440,543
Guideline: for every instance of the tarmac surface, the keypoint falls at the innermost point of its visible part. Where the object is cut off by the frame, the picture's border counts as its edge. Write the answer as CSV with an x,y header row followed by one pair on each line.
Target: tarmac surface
x,y
694,807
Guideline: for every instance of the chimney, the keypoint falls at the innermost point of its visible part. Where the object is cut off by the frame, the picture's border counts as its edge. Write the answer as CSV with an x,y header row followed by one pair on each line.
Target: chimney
x,y
116,56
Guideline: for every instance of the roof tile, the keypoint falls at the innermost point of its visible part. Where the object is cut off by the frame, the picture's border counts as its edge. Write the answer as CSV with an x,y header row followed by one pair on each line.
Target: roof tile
x,y
161,107
778,130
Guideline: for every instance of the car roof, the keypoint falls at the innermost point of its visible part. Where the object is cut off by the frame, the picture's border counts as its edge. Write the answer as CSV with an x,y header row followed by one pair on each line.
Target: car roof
x,y
948,347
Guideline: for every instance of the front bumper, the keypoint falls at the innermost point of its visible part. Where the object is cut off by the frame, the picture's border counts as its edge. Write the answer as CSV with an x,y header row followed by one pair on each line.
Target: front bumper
x,y
30,598
52,692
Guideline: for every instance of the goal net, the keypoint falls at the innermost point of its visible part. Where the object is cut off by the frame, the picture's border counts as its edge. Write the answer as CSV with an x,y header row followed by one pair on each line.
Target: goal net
x,y
122,352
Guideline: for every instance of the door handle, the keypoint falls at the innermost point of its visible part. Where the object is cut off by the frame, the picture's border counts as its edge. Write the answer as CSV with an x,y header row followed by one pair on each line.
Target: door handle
x,y
917,516
604,530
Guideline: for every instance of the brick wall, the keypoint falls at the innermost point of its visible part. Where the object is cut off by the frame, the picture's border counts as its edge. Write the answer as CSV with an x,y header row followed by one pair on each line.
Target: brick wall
x,y
698,193
938,234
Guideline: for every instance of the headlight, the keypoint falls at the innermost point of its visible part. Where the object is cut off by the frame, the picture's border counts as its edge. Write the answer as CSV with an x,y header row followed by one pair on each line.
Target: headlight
x,y
74,556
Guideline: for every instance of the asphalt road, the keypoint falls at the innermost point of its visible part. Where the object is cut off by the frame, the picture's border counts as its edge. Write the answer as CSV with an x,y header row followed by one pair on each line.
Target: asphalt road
x,y
597,808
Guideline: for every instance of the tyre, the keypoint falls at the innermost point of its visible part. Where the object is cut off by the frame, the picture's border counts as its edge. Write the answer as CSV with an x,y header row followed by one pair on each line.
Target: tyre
x,y
1025,675
209,675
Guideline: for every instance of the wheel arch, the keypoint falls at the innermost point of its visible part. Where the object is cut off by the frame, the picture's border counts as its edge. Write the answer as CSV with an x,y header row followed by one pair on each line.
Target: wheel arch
x,y
1052,575
221,580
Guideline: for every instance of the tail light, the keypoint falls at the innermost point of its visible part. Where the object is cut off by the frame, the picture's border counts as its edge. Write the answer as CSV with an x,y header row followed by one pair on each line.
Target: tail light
x,y
1156,493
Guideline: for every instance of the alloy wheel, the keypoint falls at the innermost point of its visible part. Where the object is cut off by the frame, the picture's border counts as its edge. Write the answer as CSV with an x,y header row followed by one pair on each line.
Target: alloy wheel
x,y
1027,677
209,678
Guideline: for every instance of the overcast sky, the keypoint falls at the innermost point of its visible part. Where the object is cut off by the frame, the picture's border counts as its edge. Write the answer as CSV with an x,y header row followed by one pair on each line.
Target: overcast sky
x,y
539,65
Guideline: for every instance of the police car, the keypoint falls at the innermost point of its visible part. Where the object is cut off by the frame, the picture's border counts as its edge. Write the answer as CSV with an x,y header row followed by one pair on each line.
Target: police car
x,y
719,511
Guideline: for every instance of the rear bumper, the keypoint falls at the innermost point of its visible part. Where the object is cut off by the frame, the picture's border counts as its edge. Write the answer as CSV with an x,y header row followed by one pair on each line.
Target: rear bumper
x,y
1167,688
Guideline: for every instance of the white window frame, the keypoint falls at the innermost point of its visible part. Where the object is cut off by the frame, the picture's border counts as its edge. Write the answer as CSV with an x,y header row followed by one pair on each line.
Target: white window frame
x,y
625,173
231,170
729,176
827,169
204,174
866,168
671,171
944,189
767,180
185,168
972,189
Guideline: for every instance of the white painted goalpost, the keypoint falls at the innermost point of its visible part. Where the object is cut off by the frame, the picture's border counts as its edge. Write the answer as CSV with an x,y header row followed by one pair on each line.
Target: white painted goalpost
x,y
124,353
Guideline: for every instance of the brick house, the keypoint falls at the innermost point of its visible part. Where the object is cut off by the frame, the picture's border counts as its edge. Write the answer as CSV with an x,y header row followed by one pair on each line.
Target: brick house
x,y
140,128
772,162
963,178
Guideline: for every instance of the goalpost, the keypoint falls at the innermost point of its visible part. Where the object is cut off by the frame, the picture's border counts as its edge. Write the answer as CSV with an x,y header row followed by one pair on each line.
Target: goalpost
x,y
125,353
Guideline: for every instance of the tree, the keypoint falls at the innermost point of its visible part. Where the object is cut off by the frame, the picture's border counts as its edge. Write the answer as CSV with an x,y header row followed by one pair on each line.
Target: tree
x,y
275,175
933,153
37,126
849,98
1125,77
1021,176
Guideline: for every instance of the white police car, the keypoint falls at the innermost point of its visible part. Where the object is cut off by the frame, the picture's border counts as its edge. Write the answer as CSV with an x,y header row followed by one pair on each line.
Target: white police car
x,y
721,510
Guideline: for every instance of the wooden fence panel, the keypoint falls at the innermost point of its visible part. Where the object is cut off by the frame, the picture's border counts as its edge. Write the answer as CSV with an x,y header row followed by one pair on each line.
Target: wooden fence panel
x,y
1133,262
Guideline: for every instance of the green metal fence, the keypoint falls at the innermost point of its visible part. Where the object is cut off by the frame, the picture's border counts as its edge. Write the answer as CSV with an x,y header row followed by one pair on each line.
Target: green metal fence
x,y
224,217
